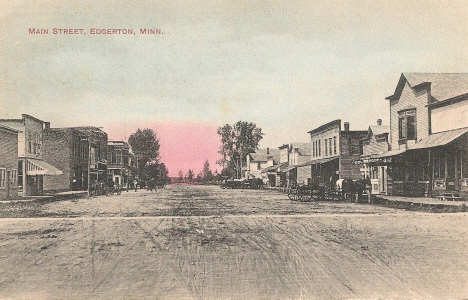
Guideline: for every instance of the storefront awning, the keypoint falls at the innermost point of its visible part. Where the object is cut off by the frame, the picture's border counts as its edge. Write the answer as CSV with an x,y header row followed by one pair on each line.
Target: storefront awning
x,y
439,139
39,167
273,168
318,161
289,168
389,153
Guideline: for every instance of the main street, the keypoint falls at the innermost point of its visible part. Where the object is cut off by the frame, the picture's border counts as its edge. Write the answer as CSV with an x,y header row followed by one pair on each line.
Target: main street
x,y
197,242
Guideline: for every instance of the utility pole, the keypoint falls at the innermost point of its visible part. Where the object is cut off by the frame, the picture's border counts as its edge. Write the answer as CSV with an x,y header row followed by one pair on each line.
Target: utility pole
x,y
89,166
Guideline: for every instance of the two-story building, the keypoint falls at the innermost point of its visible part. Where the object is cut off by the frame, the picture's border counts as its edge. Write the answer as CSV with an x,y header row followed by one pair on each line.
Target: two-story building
x,y
118,162
96,140
428,134
31,166
298,155
8,162
334,152
262,164
66,148
375,143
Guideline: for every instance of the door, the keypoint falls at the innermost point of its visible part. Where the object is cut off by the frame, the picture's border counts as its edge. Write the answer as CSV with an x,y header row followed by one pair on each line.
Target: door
x,y
8,183
450,171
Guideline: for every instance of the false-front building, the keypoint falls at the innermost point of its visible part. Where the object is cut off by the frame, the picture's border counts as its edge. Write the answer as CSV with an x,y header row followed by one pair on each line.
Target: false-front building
x,y
335,152
428,135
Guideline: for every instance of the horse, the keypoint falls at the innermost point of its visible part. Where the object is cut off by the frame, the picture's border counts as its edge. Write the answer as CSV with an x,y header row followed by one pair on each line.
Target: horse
x,y
349,189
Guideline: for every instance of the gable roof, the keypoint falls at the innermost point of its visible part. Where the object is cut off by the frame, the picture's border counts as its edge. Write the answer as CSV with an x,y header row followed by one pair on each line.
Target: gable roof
x,y
443,86
261,155
379,129
304,149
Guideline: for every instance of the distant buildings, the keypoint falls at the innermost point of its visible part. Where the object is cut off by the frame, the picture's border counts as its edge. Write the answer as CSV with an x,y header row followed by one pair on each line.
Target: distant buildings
x,y
118,162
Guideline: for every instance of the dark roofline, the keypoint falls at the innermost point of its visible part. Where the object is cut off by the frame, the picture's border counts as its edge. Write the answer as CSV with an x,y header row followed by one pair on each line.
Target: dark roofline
x,y
449,101
334,122
399,88
284,146
9,129
31,117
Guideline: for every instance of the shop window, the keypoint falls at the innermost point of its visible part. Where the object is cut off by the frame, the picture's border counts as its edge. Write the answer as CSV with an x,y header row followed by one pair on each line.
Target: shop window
x,y
2,178
374,173
407,125
439,165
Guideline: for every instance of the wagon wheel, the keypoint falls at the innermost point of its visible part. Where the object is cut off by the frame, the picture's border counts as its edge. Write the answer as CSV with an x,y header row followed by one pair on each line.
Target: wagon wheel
x,y
306,197
292,194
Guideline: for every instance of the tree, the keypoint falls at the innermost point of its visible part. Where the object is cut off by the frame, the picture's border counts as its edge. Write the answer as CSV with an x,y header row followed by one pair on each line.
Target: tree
x,y
181,176
190,175
145,147
207,175
237,141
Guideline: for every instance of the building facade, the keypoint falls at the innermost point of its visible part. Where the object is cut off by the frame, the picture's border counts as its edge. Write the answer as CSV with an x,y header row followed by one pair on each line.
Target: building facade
x,y
8,162
334,153
31,166
118,162
66,148
428,134
375,143
297,154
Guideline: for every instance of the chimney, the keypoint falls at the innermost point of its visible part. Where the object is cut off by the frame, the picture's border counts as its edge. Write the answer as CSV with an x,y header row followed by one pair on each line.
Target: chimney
x,y
268,150
346,126
379,122
47,125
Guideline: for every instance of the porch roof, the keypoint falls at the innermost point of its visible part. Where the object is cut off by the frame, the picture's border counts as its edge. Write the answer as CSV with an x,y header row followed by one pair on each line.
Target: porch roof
x,y
318,161
389,153
439,139
274,167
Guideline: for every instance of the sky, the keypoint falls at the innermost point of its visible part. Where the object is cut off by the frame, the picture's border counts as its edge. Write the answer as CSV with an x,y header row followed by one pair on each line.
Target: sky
x,y
288,67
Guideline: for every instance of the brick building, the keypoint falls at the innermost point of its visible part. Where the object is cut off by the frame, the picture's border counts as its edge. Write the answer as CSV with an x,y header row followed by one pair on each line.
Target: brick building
x,y
334,153
8,162
80,152
64,148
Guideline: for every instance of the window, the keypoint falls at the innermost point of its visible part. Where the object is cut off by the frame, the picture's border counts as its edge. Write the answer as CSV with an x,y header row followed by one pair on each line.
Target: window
x,y
330,145
326,147
2,178
14,178
439,165
334,145
319,148
407,125
313,149
259,166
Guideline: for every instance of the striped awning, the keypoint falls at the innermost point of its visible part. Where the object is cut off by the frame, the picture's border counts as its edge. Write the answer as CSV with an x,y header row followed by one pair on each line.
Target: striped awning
x,y
39,167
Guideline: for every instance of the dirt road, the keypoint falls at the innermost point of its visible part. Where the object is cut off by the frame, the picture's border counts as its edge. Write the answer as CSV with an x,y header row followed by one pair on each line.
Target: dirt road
x,y
244,247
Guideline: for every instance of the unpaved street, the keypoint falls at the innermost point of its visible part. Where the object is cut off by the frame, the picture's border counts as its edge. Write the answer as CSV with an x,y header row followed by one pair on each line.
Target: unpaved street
x,y
189,242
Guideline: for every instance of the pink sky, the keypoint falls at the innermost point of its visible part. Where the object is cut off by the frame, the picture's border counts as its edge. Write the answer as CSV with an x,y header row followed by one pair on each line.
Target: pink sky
x,y
184,145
